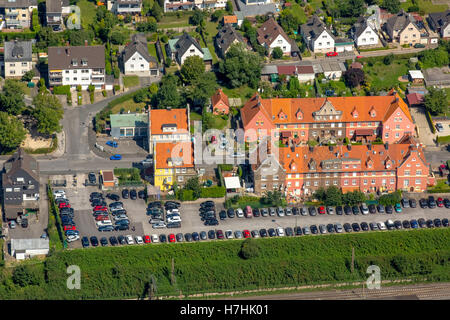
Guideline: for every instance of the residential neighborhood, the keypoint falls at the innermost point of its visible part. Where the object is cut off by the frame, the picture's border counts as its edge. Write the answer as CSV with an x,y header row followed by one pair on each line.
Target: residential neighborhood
x,y
185,127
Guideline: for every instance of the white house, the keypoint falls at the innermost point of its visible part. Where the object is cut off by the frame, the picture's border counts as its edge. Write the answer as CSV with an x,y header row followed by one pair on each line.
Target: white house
x,y
185,46
364,34
78,65
29,248
272,35
137,60
317,36
125,6
305,73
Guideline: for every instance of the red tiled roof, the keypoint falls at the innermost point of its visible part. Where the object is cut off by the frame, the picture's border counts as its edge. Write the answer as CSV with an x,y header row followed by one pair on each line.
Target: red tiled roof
x,y
218,96
287,70
305,69
160,117
181,154
230,19
414,98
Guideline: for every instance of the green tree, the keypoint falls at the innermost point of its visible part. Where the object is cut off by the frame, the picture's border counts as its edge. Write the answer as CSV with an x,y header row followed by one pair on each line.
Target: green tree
x,y
24,276
12,132
436,101
387,60
192,68
353,198
197,18
333,196
249,249
168,95
272,198
393,6
78,37
28,76
229,7
294,86
35,26
46,37
354,77
117,37
194,185
201,89
157,11
12,97
350,8
48,112
241,67
277,53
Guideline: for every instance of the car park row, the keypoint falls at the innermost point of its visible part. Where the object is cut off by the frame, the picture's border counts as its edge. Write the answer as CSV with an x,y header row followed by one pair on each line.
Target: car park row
x,y
66,214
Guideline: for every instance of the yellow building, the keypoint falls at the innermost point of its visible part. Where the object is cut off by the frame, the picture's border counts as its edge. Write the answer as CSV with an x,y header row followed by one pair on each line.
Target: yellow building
x,y
173,162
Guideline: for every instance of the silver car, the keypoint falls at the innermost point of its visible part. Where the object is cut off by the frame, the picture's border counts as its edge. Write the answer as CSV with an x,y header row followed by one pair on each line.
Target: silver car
x,y
288,211
264,212
280,212
229,234
303,211
238,234
306,231
272,211
338,227
158,225
330,210
322,228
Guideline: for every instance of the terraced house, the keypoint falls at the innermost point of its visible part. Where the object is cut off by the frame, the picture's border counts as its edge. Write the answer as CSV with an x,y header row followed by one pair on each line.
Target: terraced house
x,y
17,13
295,121
368,168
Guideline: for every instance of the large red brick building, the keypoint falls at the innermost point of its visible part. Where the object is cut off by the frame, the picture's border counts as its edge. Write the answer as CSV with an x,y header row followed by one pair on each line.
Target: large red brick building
x,y
328,119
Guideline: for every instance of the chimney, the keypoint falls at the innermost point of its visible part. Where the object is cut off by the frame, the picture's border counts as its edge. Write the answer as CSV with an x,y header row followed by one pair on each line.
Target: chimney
x,y
85,43
349,147
386,146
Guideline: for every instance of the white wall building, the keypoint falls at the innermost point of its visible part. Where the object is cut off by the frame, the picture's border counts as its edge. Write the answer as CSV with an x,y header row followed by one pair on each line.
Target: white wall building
x,y
317,36
29,248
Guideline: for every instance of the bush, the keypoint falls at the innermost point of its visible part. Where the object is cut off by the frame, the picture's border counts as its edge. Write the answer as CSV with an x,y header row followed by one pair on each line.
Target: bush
x,y
387,60
430,121
213,192
249,249
185,195
104,93
78,88
391,198
116,88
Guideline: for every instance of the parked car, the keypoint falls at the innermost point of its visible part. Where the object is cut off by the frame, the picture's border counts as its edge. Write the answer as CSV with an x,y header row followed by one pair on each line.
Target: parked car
x,y
246,234
107,228
298,231
380,208
338,227
280,231
332,54
398,207
389,209
419,45
239,213
172,238
339,210
113,196
431,202
255,233
373,226
313,228
113,240
440,202
188,237
372,209
423,203
381,225
303,211
430,223
112,144
229,234
356,227
271,232
347,227
322,228
212,234
437,222
321,210
125,193
121,239
355,210
447,203
92,178
238,234
422,223
439,127
445,222
398,224
133,194
306,231
330,228
85,242
280,212
103,241
162,238
364,209
414,224
94,241
230,213
364,226
312,211
289,232
248,212
272,211
264,212
288,211
347,210
115,157
129,239
263,233
24,223
413,203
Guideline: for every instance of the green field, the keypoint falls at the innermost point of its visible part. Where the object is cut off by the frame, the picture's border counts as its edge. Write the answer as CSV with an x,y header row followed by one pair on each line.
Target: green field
x,y
128,105
385,77
88,11
130,81
244,92
217,266
172,21
152,51
426,5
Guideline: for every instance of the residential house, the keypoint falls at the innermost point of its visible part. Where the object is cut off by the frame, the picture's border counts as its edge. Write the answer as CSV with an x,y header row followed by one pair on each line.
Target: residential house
x,y
329,119
77,65
137,60
368,168
227,36
364,33
343,45
20,185
173,163
124,7
129,125
168,125
305,73
185,46
17,13
415,99
440,22
17,59
402,28
220,103
53,14
271,35
317,36
175,5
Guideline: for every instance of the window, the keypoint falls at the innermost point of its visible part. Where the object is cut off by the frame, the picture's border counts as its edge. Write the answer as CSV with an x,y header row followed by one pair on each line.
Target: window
x,y
407,173
20,179
297,183
327,183
418,181
335,182
419,172
392,180
180,178
373,181
345,182
365,182
316,183
406,183
8,189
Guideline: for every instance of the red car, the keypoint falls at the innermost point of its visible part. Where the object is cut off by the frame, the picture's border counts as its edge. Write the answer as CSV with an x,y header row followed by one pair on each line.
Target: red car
x,y
100,208
440,202
322,210
331,54
147,239
102,217
70,228
213,139
172,238
359,57
219,234
246,234
63,205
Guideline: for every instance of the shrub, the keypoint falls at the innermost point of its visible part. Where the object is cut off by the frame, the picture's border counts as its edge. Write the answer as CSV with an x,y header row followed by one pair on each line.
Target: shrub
x,y
249,249
104,93
213,192
78,88
116,88
185,195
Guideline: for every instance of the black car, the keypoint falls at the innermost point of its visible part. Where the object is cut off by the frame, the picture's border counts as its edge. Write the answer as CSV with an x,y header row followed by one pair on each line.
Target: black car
x,y
445,222
125,194
208,203
222,215
174,225
141,194
113,196
121,239
172,203
398,224
339,210
431,202
347,227
312,211
263,233
330,228
94,241
113,241
203,235
211,234
188,237
24,223
380,208
122,227
211,222
298,231
423,203
98,202
256,212
133,194
295,211
356,227
364,226
430,223
372,208
389,209
413,203
347,210
271,232
61,200
437,223
314,229
390,226
447,203
162,238
85,242
355,210
154,204
92,177
103,241
406,224
230,213
422,222
95,194
289,232
179,237
195,236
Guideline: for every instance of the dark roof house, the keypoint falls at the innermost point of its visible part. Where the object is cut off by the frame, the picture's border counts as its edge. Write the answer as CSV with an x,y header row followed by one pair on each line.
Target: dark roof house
x,y
76,57
184,43
53,14
439,21
396,24
226,37
269,32
18,51
137,44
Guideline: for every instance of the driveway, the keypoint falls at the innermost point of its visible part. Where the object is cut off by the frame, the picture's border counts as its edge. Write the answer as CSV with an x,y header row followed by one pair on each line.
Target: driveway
x,y
421,122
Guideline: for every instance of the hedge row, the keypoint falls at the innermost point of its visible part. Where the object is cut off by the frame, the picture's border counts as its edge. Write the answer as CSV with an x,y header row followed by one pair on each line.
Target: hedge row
x,y
123,272
213,192
8,36
54,228
430,121
443,139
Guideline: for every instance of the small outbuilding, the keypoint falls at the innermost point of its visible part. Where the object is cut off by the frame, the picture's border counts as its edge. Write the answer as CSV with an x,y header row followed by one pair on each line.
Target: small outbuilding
x,y
416,76
29,248
232,184
108,178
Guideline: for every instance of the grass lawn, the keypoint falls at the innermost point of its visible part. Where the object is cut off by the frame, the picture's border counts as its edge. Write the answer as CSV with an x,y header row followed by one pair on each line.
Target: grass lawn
x,y
443,139
298,11
25,88
152,50
338,86
440,186
447,92
130,81
244,92
383,76
426,5
128,105
87,13
172,21
216,121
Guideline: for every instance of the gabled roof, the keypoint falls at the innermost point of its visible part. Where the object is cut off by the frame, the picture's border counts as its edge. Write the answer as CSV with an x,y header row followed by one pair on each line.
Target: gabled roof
x,y
399,22
269,31
360,26
137,45
184,43
219,95
230,19
18,3
62,57
21,161
226,36
53,6
174,155
314,27
253,107
18,51
161,117
439,19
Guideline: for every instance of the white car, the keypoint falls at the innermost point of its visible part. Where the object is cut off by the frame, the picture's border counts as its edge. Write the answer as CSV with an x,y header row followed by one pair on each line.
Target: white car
x,y
139,240
173,211
104,223
381,225
129,239
239,213
155,238
59,193
158,225
72,238
280,232
229,234
121,217
173,219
